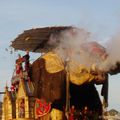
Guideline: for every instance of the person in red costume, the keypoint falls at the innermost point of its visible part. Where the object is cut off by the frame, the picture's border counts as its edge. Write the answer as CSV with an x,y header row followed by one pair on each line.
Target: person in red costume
x,y
19,68
72,111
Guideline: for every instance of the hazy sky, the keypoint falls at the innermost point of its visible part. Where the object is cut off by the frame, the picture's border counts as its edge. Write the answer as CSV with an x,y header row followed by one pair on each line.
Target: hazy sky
x,y
101,17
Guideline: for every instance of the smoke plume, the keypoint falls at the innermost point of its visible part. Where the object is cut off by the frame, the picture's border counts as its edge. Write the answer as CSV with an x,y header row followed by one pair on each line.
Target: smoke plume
x,y
113,48
74,44
70,44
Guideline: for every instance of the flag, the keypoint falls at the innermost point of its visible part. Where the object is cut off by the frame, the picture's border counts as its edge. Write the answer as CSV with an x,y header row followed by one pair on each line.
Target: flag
x,y
41,107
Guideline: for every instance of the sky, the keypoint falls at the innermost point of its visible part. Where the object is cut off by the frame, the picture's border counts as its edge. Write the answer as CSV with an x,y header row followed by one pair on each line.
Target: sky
x,y
100,17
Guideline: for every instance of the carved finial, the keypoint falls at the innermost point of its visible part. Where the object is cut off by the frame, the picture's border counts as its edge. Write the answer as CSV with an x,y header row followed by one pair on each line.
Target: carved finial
x,y
6,87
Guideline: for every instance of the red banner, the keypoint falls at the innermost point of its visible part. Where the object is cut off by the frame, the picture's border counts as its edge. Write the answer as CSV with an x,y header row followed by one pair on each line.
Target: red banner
x,y
41,107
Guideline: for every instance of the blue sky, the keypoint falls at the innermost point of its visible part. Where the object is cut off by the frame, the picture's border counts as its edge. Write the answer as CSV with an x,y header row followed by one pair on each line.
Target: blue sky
x,y
101,17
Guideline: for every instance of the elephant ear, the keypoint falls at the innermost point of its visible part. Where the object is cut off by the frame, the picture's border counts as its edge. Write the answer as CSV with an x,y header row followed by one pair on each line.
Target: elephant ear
x,y
53,63
79,74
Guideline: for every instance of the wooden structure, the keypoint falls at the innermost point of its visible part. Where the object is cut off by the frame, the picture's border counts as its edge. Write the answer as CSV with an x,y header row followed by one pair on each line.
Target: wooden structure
x,y
37,40
18,106
48,80
8,105
25,102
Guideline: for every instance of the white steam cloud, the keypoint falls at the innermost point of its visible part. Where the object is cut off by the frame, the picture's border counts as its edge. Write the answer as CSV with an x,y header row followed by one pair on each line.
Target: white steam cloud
x,y
113,48
74,44
70,44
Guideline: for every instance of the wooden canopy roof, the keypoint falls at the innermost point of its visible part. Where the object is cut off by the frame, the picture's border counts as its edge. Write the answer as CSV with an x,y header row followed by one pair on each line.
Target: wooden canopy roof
x,y
36,40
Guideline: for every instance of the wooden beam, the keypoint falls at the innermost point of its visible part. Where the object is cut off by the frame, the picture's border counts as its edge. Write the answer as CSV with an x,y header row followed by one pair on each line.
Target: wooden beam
x,y
2,92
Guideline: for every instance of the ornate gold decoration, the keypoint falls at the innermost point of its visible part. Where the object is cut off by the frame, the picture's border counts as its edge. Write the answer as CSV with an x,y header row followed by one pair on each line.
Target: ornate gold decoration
x,y
79,74
53,63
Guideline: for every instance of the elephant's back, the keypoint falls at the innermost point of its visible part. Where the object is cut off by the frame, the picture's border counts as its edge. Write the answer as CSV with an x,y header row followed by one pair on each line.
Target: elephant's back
x,y
50,86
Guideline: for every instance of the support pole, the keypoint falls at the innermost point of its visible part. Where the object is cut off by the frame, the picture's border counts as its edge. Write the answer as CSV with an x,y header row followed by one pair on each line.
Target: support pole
x,y
67,110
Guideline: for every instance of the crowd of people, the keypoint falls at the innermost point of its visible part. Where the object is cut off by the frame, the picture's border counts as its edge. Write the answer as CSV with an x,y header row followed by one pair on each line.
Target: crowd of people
x,y
84,114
